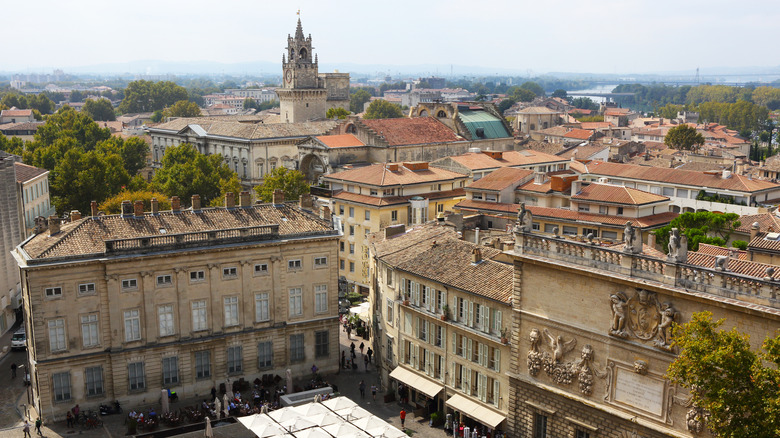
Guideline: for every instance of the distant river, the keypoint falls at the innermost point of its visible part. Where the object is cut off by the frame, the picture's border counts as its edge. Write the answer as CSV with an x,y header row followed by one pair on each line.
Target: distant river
x,y
597,89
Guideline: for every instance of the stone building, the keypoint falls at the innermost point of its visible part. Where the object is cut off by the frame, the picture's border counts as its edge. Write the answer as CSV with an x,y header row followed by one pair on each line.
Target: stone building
x,y
591,333
122,306
305,93
11,234
33,186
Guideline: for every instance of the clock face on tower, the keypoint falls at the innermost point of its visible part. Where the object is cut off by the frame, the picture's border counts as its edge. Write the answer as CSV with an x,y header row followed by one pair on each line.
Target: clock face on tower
x,y
288,76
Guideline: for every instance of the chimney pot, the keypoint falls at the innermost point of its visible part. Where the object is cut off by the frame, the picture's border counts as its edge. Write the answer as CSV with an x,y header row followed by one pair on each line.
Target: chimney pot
x,y
245,199
195,202
305,201
127,208
476,255
75,215
155,205
93,206
175,204
278,197
230,200
139,209
54,225
325,213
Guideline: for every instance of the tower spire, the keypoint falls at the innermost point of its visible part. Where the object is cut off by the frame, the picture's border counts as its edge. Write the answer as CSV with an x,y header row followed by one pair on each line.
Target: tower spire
x,y
299,28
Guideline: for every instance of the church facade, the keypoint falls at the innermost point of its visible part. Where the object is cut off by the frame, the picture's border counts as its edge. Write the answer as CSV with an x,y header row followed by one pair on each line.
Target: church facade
x,y
305,93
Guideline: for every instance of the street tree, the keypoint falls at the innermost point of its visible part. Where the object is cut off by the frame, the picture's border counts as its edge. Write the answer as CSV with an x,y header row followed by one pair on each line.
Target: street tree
x,y
149,96
291,182
382,109
336,113
735,390
113,205
182,108
80,177
684,137
100,109
700,227
358,99
186,172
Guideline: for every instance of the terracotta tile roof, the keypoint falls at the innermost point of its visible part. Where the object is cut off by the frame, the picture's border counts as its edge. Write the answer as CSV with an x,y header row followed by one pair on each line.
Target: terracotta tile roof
x,y
420,251
578,166
16,113
743,267
417,130
532,186
705,248
379,175
383,201
569,215
555,131
616,112
617,195
580,134
340,141
683,177
501,178
583,152
25,172
476,161
765,220
646,249
86,236
761,242
252,131
538,110
21,126
596,125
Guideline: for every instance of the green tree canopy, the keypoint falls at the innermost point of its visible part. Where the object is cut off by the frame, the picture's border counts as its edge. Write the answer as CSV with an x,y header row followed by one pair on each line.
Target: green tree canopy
x,y
182,108
382,109
534,88
186,172
80,177
148,96
113,205
560,93
40,102
100,109
585,103
505,105
670,110
336,113
700,227
358,99
737,388
684,137
520,94
292,182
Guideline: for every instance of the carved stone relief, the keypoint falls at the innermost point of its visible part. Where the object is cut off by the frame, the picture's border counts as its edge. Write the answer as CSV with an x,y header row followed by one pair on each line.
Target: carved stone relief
x,y
642,317
553,364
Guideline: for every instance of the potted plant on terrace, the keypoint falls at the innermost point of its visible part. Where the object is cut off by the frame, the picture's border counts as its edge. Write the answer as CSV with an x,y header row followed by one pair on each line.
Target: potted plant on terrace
x,y
504,336
446,313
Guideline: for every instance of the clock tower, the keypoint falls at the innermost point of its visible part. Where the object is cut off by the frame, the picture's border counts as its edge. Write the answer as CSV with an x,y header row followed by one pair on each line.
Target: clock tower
x,y
305,94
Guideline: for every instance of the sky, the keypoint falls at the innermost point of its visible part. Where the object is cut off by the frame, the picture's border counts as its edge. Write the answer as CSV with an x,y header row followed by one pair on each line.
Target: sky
x,y
529,37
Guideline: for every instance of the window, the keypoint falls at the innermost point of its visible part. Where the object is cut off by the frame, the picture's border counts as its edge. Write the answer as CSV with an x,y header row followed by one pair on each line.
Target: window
x,y
549,228
583,207
136,376
389,352
603,209
351,211
202,364
294,264
394,215
170,370
296,302
61,386
681,193
341,264
612,235
321,344
261,269
164,280
668,191
57,335
86,288
581,434
389,311
265,354
89,331
368,215
235,359
231,272
569,230
261,307
321,298
132,325
351,248
586,231
620,211
535,226
130,284
296,348
374,192
197,276
351,266
540,426
231,311
165,315
351,230
341,210
320,262
53,292
93,377
199,315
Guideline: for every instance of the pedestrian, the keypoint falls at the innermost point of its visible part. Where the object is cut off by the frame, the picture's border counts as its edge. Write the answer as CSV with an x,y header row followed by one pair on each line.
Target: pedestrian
x,y
373,392
352,347
13,370
26,428
69,419
448,423
38,424
365,361
354,356
403,418
213,392
361,348
370,353
349,332
343,359
362,387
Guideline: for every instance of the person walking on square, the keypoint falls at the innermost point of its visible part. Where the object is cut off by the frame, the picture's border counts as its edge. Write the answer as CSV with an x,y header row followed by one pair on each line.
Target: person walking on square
x,y
403,418
370,353
26,429
38,424
362,387
352,347
365,361
343,359
13,370
373,392
361,348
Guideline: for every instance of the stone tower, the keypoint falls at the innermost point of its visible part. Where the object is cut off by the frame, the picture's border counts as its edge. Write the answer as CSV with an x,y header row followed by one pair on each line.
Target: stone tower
x,y
306,94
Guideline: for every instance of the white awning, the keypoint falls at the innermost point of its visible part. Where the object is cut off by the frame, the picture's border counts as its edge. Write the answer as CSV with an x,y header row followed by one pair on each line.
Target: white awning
x,y
475,410
417,382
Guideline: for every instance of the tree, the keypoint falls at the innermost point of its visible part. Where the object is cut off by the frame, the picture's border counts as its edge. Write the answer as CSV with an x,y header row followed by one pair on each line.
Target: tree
x,y
670,110
182,108
80,177
505,105
700,227
358,99
584,103
520,94
560,93
148,96
684,137
336,113
735,387
382,109
186,172
534,88
113,205
249,103
100,109
291,182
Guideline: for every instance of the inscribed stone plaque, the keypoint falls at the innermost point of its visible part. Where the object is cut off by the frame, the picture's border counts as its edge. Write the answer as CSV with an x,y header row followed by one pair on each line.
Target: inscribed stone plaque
x,y
642,392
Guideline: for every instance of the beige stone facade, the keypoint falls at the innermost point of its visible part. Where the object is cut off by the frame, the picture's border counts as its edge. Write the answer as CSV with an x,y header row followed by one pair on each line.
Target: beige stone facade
x,y
120,307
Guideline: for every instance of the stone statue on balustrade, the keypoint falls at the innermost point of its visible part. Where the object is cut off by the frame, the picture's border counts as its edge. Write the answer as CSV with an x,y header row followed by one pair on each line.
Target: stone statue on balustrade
x,y
632,239
524,219
678,246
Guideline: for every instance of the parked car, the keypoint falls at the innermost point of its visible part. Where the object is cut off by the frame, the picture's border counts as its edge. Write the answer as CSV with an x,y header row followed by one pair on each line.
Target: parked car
x,y
19,339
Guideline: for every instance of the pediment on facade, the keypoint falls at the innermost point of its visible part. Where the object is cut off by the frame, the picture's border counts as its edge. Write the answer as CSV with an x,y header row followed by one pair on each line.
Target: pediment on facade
x,y
193,129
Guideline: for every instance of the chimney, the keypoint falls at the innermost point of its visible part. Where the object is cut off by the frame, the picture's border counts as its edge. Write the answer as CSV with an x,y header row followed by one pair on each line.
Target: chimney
x,y
476,255
195,203
245,199
754,230
325,213
651,240
305,201
93,208
155,206
539,178
394,230
138,211
175,204
54,225
278,197
476,235
75,215
230,200
127,208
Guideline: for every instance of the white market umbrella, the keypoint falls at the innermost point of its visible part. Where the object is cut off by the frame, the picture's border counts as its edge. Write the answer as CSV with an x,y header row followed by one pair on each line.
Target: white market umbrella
x,y
226,407
289,382
353,413
314,432
325,419
342,430
208,433
217,406
311,409
366,423
164,398
296,424
339,403
284,414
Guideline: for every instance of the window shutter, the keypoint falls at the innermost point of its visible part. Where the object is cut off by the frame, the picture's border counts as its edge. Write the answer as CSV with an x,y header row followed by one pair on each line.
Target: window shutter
x,y
497,359
416,294
417,326
454,309
470,352
463,346
403,287
471,314
453,379
417,356
443,300
454,343
427,332
497,322
496,393
443,337
481,386
469,389
486,323
401,352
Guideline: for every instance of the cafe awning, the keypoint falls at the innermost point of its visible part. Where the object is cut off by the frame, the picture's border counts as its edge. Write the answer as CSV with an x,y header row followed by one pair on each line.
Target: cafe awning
x,y
476,411
427,387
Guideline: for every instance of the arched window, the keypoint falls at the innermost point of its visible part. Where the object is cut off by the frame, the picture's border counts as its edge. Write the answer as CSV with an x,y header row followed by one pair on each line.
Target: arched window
x,y
351,129
533,127
441,114
423,113
302,53
545,125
